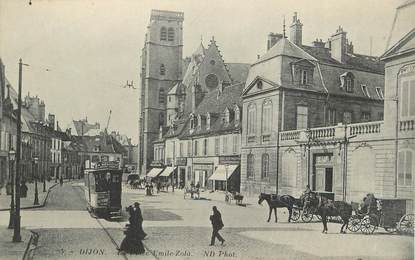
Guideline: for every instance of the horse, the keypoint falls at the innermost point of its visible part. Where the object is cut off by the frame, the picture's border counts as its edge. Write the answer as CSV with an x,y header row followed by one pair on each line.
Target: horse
x,y
327,207
275,201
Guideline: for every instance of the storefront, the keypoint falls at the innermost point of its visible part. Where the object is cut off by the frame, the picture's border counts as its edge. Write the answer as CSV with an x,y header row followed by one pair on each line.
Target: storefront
x,y
201,173
153,173
181,171
227,174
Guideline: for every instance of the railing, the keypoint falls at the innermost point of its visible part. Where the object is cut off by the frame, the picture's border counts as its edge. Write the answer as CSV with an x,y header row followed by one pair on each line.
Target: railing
x,y
407,125
322,132
365,128
290,135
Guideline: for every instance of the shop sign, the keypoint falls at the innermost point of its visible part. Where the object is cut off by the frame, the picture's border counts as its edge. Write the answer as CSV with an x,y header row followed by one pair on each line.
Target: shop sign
x,y
231,160
181,161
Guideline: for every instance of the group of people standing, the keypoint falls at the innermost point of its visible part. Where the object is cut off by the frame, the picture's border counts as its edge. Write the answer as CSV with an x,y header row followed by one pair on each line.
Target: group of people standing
x,y
134,233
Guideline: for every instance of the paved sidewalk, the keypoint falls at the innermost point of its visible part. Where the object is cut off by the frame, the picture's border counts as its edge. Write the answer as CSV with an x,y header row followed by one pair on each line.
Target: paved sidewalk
x,y
28,201
10,250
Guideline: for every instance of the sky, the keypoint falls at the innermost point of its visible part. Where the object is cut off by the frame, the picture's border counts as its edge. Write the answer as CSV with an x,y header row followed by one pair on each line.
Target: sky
x,y
81,52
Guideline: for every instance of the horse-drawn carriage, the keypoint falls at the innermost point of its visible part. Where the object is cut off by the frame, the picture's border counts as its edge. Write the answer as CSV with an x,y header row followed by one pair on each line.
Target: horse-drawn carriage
x,y
236,196
389,214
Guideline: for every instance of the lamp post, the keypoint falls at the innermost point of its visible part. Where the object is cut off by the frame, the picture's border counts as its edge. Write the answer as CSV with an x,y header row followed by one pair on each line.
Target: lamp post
x,y
44,157
226,181
35,159
12,157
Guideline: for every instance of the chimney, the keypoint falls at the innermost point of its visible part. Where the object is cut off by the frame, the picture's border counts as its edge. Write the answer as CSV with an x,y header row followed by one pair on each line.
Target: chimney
x,y
338,43
51,120
273,38
57,125
349,48
296,31
319,43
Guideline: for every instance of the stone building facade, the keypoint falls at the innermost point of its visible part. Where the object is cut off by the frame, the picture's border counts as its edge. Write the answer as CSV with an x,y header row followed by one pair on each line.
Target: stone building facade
x,y
294,86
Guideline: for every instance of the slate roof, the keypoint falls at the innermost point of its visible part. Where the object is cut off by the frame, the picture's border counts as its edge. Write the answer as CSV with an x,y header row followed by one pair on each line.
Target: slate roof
x,y
215,105
352,61
238,71
107,144
285,47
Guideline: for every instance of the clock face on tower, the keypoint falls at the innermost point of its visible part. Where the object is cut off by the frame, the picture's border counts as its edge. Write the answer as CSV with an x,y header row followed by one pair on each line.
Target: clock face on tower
x,y
211,81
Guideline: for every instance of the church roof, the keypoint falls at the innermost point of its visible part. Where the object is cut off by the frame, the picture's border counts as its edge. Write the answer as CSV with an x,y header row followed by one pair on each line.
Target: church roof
x,y
192,68
238,71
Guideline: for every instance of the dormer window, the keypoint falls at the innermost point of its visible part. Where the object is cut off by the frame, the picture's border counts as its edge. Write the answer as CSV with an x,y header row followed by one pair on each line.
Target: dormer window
x,y
304,77
380,93
365,91
237,115
347,81
259,84
226,116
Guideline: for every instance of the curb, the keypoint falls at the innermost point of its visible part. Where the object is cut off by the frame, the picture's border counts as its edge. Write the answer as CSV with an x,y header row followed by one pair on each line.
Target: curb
x,y
36,206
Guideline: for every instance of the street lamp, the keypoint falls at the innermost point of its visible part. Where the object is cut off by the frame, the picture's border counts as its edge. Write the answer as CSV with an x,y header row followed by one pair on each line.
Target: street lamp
x,y
35,159
226,181
12,157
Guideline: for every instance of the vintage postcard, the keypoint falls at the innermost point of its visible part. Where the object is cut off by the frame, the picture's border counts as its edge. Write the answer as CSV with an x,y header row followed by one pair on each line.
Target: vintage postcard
x,y
207,129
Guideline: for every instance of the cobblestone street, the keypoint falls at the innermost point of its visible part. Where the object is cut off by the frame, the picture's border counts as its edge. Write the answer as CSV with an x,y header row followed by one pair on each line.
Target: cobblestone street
x,y
180,229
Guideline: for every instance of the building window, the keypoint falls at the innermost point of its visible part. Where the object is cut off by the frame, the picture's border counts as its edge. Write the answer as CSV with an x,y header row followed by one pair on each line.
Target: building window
x,y
347,81
170,35
161,119
265,166
163,34
405,168
304,77
217,143
189,148
162,70
349,85
236,144
365,117
196,147
302,117
379,91
205,146
266,117
250,166
161,96
380,116
347,117
181,149
225,145
208,121
407,98
251,119
331,116
226,116
365,91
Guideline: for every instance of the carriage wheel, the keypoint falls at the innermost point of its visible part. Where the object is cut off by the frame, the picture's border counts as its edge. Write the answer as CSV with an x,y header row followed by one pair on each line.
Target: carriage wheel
x,y
318,217
307,216
354,224
295,216
406,224
366,225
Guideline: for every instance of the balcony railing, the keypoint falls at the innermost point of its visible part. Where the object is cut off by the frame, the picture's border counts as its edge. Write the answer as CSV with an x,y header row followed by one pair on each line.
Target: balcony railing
x,y
365,128
290,135
407,125
322,132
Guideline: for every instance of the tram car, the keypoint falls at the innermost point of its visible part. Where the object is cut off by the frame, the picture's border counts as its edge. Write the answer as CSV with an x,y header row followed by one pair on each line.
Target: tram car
x,y
103,190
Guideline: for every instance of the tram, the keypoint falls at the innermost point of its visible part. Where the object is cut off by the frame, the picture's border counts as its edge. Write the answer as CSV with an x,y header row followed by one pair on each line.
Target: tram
x,y
103,189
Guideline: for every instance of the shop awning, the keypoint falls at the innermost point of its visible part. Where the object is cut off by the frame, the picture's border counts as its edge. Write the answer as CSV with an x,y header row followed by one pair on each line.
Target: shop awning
x,y
167,171
220,172
154,172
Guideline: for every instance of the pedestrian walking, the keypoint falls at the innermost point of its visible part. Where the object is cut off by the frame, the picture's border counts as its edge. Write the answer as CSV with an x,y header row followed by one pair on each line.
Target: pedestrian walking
x,y
61,180
217,224
132,242
139,220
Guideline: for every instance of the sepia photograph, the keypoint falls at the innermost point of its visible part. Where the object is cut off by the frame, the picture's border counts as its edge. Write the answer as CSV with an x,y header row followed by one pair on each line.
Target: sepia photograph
x,y
207,129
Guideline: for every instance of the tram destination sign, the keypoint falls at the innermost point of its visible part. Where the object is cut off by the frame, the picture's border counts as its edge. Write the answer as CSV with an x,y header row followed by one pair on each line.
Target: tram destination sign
x,y
107,164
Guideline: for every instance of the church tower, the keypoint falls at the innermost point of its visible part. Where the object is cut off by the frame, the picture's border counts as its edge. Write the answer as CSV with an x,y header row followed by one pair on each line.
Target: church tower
x,y
161,69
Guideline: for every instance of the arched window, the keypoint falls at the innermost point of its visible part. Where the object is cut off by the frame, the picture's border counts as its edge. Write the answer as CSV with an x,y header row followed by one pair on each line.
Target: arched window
x,y
265,166
170,34
266,117
237,115
162,69
163,34
251,119
250,166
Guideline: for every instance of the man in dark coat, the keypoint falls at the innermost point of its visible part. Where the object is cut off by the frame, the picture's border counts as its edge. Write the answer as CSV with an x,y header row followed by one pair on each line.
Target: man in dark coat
x,y
217,225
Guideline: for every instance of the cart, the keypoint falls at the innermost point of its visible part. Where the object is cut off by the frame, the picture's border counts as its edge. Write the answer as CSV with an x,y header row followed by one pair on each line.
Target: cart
x,y
391,216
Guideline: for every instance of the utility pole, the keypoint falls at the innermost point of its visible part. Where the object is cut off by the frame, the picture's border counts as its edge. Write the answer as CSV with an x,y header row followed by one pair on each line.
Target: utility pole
x,y
16,234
